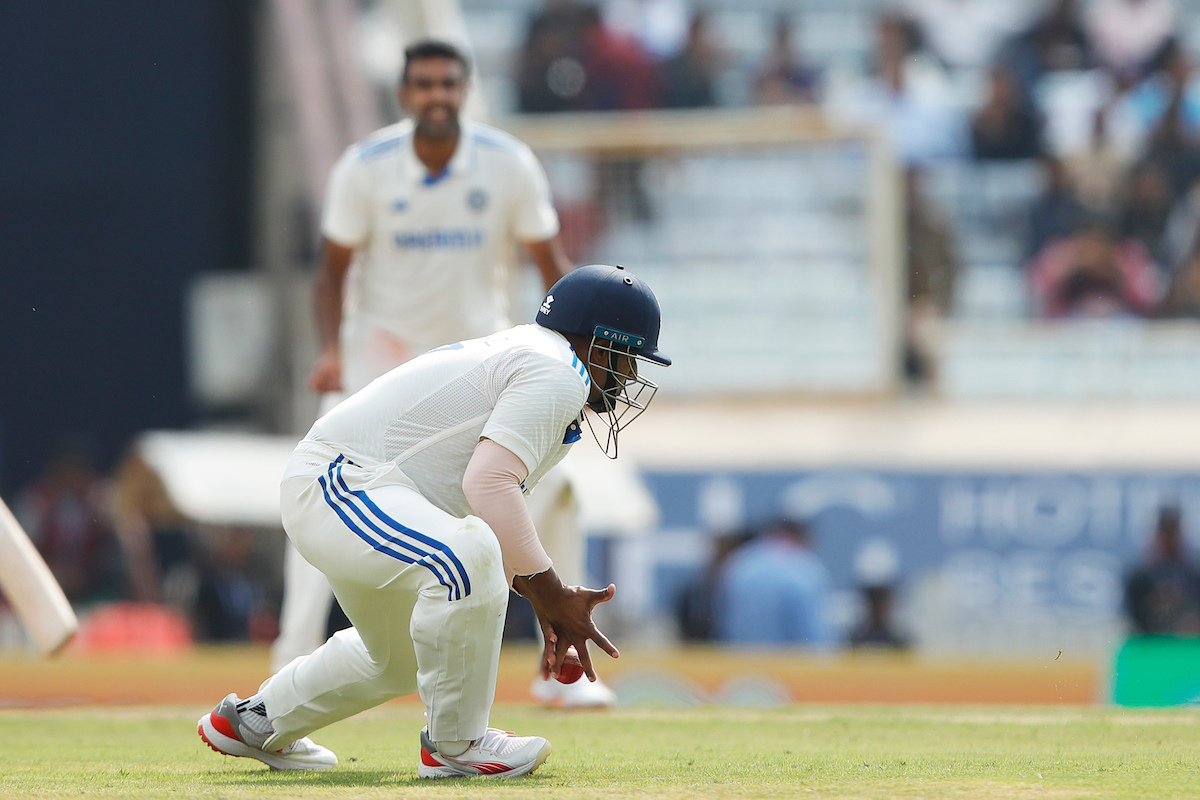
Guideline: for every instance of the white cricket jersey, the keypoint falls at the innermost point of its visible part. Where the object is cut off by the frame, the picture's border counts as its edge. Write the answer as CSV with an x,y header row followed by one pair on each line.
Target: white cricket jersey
x,y
523,388
434,250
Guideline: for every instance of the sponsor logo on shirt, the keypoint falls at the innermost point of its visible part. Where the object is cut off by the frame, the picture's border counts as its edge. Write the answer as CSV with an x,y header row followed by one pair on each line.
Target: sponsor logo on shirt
x,y
439,238
477,200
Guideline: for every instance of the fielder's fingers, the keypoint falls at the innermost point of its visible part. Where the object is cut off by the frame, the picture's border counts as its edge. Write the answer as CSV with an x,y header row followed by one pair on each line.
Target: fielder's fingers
x,y
597,596
548,640
602,641
559,655
548,633
585,659
547,660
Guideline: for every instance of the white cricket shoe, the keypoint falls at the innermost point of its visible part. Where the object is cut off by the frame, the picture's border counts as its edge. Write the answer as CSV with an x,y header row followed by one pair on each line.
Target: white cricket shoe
x,y
496,754
579,694
223,730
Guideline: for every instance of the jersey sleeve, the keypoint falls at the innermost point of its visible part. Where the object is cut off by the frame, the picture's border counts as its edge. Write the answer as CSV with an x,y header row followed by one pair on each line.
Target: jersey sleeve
x,y
534,408
346,218
536,220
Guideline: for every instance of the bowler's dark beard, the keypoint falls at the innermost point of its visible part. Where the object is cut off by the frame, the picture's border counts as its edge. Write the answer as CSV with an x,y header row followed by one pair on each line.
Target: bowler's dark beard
x,y
439,131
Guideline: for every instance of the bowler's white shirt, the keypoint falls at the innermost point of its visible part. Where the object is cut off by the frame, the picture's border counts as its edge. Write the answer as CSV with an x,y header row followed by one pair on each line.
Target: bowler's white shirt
x,y
523,388
434,251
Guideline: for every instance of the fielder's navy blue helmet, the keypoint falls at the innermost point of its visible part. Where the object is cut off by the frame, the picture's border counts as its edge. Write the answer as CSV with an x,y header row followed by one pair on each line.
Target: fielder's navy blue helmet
x,y
606,302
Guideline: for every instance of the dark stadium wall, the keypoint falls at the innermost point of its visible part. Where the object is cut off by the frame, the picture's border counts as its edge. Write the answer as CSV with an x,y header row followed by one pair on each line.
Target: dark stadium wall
x,y
125,169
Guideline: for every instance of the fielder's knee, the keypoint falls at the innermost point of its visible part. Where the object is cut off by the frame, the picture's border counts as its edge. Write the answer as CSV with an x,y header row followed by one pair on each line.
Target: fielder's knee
x,y
484,562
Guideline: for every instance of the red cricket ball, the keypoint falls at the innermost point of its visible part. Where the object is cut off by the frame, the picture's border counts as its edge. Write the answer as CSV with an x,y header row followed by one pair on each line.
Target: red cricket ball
x,y
572,667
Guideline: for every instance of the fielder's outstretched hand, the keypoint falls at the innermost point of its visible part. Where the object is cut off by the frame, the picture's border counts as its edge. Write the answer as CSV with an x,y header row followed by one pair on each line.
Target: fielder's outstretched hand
x,y
565,614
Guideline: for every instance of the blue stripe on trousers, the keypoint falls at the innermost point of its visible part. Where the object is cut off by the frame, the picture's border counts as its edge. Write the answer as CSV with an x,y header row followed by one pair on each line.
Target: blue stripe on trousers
x,y
426,556
432,544
339,504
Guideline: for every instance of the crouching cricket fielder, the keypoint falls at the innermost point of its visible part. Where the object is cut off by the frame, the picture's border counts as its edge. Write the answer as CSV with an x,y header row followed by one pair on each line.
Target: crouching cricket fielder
x,y
408,497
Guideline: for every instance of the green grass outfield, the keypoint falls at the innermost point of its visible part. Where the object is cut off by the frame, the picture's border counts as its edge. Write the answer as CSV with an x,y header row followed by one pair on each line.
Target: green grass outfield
x,y
799,751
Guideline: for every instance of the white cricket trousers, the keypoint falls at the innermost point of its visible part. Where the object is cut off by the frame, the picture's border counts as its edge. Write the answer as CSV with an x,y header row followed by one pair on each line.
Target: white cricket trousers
x,y
424,590
307,598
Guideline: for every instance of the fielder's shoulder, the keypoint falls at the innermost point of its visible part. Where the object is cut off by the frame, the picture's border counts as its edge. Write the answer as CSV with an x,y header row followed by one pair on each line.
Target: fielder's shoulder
x,y
552,346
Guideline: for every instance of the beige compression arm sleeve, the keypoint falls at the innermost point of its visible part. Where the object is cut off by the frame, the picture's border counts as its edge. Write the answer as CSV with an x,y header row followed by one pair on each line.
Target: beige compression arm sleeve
x,y
492,484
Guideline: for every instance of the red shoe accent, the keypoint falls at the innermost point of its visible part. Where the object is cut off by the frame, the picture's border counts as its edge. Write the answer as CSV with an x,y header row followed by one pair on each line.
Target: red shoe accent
x,y
213,747
429,760
492,768
222,725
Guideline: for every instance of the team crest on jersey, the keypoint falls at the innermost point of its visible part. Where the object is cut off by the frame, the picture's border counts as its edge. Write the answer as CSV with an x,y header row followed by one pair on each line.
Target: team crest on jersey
x,y
400,205
477,200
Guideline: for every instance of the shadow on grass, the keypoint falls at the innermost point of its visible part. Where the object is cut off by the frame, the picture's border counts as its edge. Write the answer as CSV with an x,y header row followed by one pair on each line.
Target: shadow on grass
x,y
343,778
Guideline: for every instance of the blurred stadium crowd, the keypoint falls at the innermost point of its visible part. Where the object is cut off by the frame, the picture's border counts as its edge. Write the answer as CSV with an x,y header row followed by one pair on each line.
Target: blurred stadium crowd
x,y
1051,148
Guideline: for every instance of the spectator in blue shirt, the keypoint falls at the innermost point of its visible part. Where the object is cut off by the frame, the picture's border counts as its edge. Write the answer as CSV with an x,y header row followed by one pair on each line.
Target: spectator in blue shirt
x,y
775,591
